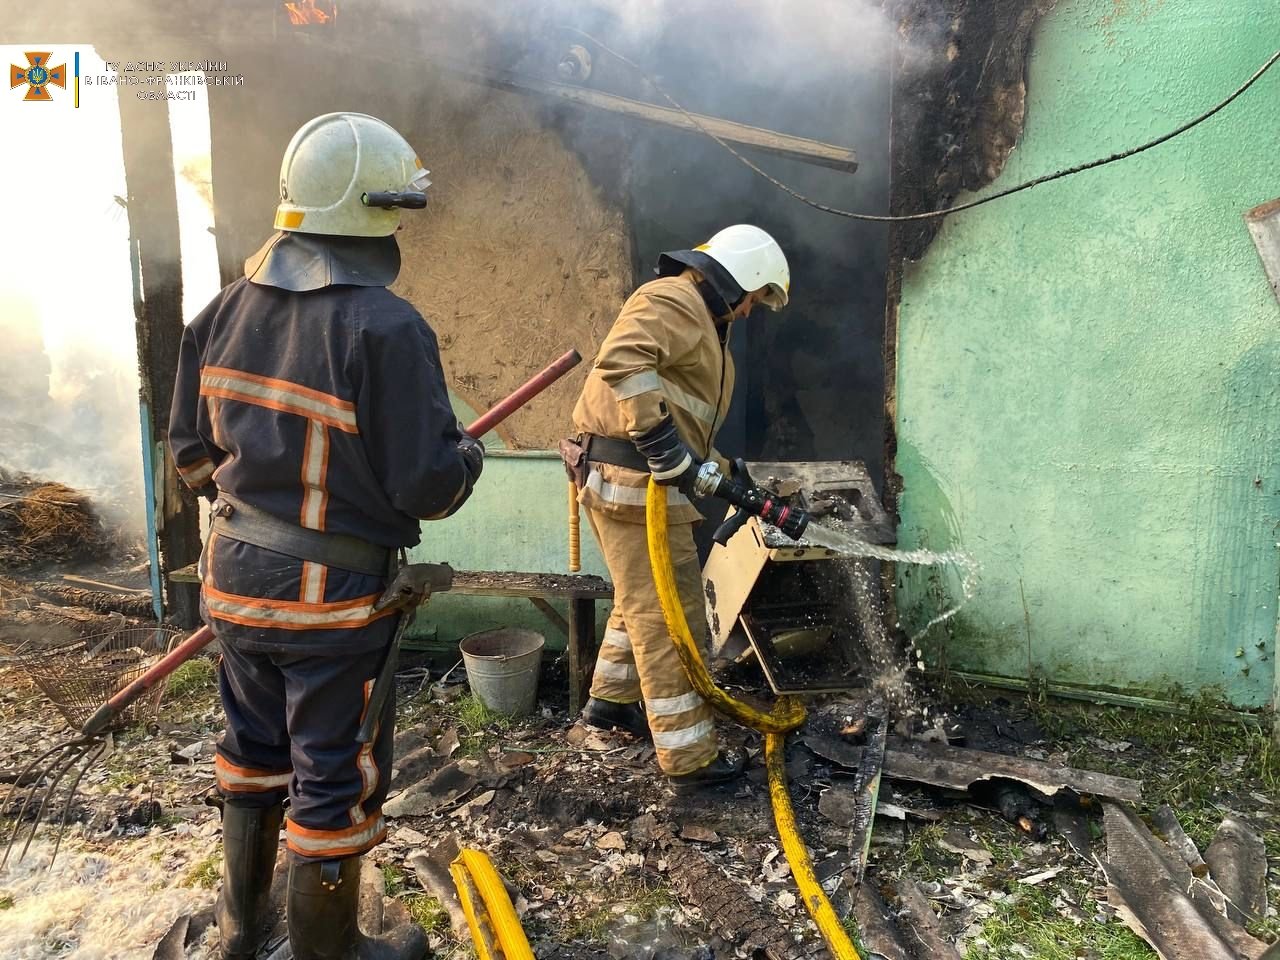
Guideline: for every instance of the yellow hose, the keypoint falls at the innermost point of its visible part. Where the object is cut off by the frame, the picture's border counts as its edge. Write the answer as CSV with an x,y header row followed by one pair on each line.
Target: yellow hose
x,y
815,900
496,933
787,714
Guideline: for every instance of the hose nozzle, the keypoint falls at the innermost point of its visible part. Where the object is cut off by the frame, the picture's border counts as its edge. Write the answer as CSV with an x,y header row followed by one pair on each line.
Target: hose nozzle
x,y
748,500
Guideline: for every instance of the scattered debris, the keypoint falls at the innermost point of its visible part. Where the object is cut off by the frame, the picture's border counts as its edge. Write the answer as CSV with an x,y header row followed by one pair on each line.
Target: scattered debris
x,y
921,925
729,910
442,788
1013,801
605,861
876,928
99,601
696,834
173,946
109,900
611,841
113,587
1170,830
1072,823
957,842
1038,878
432,869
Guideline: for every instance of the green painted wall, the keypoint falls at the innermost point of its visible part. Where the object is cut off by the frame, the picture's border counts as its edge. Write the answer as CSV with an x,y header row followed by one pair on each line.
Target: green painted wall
x,y
517,519
1087,394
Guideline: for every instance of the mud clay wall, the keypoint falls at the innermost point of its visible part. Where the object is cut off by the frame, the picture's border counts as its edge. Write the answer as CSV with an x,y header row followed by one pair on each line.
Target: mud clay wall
x,y
1085,373
516,259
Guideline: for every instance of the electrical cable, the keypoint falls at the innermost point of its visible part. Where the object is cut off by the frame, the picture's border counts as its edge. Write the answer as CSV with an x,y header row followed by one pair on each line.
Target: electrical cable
x,y
928,215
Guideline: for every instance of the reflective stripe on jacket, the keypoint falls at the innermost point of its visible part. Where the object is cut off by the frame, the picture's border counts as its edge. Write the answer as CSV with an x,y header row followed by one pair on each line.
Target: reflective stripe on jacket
x,y
327,409
663,355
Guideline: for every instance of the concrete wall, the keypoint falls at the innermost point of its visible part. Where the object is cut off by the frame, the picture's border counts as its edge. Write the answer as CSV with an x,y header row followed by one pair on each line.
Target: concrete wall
x,y
1087,393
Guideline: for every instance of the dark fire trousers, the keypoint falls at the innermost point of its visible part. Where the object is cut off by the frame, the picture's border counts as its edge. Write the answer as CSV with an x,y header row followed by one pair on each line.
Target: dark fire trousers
x,y
292,720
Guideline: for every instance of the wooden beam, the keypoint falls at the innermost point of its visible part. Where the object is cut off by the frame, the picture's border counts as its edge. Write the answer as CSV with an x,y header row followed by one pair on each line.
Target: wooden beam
x,y
153,243
739,134
582,651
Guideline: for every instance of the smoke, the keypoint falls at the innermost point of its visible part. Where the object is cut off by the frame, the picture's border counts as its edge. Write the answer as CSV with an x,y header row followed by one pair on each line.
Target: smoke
x,y
68,365
810,380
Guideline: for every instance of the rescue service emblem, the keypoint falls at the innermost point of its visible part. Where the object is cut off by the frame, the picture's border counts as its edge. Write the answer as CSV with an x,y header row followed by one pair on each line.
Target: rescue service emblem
x,y
38,75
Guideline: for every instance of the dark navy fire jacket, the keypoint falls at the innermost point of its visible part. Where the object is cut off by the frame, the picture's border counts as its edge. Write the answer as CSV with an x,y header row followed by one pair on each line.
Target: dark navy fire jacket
x,y
327,409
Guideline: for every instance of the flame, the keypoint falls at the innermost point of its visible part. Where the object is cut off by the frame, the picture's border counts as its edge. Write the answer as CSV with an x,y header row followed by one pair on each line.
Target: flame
x,y
305,11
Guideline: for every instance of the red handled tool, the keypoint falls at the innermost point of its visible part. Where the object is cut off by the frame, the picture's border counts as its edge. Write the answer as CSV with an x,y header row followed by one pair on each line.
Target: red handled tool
x,y
89,745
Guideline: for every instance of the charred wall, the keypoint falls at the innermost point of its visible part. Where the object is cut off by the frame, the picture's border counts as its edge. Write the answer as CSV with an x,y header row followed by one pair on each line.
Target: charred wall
x,y
959,73
959,101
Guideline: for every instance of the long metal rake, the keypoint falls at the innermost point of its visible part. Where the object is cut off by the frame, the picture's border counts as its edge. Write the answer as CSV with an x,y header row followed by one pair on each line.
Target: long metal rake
x,y
41,778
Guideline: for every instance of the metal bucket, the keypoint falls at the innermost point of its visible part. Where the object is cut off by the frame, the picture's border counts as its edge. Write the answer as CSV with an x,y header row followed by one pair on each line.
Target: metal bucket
x,y
502,668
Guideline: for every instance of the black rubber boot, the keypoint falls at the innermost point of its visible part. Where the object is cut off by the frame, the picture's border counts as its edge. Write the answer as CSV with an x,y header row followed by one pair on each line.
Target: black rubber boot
x,y
250,838
605,715
724,768
324,900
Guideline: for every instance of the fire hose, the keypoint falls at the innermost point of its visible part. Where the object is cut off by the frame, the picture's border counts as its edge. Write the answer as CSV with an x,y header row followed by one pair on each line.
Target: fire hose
x,y
786,715
496,933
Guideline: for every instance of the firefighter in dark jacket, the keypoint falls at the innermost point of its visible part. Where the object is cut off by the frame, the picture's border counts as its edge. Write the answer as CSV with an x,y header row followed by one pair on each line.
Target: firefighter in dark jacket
x,y
311,408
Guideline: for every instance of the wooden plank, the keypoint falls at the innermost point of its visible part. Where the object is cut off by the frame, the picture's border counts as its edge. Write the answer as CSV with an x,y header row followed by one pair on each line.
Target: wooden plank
x,y
921,925
185,574
958,769
581,650
552,614
1170,830
86,582
802,149
875,926
497,583
153,242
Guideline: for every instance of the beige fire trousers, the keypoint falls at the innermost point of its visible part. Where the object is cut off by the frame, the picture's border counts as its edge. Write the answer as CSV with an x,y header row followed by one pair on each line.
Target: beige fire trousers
x,y
638,659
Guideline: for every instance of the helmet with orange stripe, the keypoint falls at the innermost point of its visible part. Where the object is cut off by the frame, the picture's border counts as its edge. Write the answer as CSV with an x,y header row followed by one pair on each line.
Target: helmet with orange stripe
x,y
348,175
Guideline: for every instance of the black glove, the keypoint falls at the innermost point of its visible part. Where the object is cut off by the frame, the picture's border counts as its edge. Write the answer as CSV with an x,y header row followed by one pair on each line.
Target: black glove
x,y
472,451
671,461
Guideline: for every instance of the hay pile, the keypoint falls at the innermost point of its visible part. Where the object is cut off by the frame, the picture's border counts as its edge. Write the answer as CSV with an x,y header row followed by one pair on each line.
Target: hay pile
x,y
516,259
47,523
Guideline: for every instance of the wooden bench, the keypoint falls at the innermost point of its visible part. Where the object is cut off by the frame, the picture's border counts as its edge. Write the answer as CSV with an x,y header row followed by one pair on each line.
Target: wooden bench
x,y
580,592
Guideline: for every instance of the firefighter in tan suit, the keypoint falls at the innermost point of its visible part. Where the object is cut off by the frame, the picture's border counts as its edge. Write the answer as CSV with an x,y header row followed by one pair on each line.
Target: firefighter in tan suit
x,y
659,389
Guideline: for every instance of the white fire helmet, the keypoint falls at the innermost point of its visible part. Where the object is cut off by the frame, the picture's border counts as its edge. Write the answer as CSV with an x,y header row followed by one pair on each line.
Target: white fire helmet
x,y
754,260
332,162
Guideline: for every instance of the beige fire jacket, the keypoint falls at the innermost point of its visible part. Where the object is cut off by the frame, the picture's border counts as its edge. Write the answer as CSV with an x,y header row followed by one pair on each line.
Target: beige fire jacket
x,y
663,355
